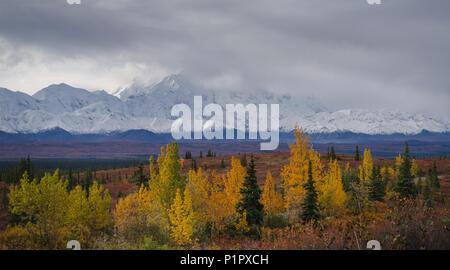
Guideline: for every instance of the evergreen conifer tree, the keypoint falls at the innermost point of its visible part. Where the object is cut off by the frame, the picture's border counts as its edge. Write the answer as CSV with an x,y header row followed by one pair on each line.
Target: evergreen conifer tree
x,y
251,195
194,164
244,161
405,183
357,155
377,187
310,210
332,153
435,178
428,189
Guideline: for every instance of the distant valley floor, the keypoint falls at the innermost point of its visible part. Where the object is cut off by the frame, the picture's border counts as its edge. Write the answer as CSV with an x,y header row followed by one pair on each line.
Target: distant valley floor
x,y
143,150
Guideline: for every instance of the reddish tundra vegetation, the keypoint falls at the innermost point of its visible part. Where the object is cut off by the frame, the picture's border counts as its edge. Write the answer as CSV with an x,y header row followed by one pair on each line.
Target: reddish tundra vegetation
x,y
263,162
210,203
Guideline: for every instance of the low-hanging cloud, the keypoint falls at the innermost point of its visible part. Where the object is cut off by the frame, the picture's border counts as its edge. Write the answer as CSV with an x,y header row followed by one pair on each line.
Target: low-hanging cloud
x,y
346,53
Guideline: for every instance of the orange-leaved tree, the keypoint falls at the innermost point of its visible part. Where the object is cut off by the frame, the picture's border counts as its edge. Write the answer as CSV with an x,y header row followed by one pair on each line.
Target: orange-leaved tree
x,y
295,174
140,215
365,170
332,196
181,217
199,188
224,196
271,199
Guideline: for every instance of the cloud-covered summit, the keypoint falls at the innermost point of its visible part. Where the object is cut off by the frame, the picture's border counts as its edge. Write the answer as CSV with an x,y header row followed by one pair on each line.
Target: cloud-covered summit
x,y
346,53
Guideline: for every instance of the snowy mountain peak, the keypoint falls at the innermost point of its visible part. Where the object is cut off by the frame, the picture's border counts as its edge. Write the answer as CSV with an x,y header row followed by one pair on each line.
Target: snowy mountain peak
x,y
148,107
172,82
59,90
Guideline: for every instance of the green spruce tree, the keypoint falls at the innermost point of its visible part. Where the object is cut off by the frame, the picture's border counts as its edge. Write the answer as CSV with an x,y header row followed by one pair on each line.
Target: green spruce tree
x,y
244,161
428,189
251,195
332,154
435,177
357,155
139,177
405,183
377,188
310,209
194,164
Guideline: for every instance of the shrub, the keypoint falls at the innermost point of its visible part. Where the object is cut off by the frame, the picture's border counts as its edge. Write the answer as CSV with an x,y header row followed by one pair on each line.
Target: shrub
x,y
275,221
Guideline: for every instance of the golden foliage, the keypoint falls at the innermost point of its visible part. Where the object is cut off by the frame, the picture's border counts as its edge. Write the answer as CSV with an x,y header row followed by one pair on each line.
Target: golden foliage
x,y
199,189
365,171
18,238
216,213
181,217
139,215
295,174
390,171
164,185
233,182
224,195
398,162
88,216
415,170
52,216
242,225
332,196
271,199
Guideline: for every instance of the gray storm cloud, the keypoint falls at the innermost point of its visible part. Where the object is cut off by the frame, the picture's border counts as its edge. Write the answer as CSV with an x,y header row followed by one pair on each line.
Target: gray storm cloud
x,y
345,52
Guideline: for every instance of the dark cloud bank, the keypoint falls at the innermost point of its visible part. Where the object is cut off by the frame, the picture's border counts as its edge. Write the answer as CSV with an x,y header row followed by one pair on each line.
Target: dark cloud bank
x,y
345,52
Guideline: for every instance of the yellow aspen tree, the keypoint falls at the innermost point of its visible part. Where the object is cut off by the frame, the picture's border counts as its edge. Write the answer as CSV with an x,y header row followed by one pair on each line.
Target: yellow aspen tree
x,y
331,195
233,182
78,215
390,171
139,213
127,216
398,162
189,221
365,170
165,184
295,174
88,215
242,225
42,205
199,189
271,199
216,213
152,170
99,202
181,219
415,168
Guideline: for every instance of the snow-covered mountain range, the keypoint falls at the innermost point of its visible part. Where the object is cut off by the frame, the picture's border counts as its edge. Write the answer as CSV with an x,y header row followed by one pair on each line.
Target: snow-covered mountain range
x,y
148,107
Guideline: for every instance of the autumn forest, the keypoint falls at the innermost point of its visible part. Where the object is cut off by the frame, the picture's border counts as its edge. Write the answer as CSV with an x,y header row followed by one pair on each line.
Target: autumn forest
x,y
308,201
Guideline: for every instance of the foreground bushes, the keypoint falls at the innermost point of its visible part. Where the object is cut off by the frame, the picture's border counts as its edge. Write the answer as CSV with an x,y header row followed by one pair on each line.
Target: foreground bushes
x,y
405,224
343,210
46,215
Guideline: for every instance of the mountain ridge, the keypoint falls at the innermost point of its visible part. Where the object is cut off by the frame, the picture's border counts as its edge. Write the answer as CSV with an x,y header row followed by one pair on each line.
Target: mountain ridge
x,y
140,135
147,107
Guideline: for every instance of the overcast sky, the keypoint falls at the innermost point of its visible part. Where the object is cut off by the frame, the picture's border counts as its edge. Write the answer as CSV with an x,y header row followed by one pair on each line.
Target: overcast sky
x,y
346,53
